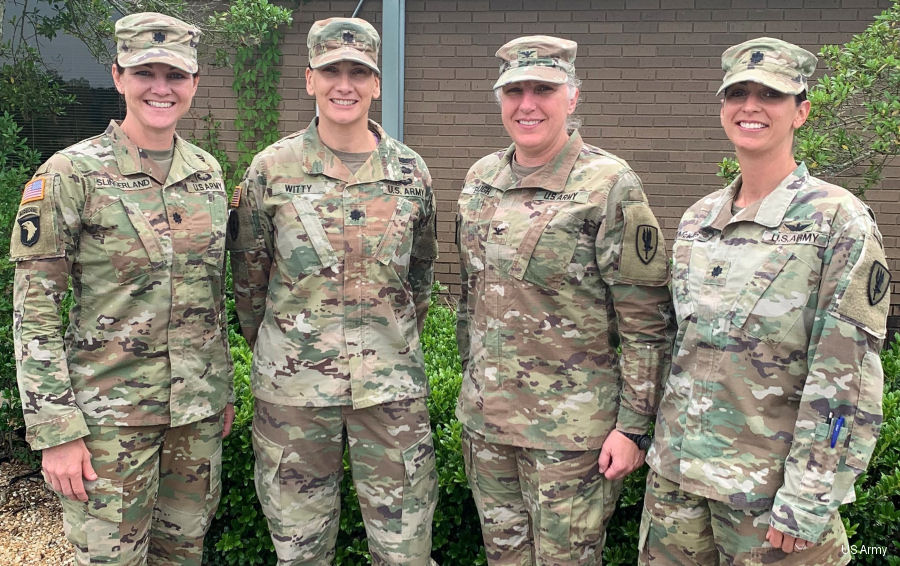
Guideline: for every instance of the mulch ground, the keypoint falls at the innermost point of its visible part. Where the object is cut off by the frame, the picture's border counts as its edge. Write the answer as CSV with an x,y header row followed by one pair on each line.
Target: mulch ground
x,y
31,529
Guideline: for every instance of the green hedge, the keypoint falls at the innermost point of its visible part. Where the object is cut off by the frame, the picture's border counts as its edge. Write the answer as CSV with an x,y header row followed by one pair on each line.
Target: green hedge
x,y
17,162
239,534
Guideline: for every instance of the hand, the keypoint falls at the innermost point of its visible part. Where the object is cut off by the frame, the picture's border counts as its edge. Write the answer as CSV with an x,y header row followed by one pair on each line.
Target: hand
x,y
65,465
786,543
619,456
229,419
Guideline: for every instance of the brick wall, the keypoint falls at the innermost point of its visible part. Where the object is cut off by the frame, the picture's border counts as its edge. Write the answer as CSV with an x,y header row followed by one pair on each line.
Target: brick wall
x,y
650,70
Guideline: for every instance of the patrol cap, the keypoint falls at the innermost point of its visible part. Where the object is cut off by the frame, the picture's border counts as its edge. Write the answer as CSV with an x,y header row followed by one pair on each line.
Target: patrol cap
x,y
149,37
771,62
536,58
343,39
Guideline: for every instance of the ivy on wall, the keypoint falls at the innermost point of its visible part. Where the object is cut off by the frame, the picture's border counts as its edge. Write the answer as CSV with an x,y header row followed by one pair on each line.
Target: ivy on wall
x,y
255,29
256,77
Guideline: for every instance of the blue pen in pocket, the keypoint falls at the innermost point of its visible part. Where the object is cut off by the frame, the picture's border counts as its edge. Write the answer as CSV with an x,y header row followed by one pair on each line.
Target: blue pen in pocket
x,y
836,431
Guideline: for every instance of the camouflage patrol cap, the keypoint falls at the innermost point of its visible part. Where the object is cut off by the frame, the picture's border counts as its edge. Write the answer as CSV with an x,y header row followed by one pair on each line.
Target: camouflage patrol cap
x,y
771,62
536,58
343,39
149,37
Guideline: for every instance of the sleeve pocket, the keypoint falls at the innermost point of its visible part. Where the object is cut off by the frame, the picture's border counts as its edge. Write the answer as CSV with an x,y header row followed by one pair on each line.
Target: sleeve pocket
x,y
267,455
868,418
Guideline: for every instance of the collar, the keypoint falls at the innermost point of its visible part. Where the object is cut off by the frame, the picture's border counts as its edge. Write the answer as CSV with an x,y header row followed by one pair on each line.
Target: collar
x,y
551,177
316,159
768,211
128,159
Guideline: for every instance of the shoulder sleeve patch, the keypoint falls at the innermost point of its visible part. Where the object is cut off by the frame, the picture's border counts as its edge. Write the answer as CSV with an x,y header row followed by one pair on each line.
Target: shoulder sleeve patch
x,y
866,300
35,230
243,230
35,188
643,258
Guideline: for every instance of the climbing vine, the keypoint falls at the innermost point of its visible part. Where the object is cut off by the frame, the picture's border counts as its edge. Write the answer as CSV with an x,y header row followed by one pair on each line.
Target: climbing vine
x,y
255,29
256,76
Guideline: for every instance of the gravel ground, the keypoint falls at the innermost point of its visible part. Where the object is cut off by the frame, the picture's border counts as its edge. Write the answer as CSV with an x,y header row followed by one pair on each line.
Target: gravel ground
x,y
30,521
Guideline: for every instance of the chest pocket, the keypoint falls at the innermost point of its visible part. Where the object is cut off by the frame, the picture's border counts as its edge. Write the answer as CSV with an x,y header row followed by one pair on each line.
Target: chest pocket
x,y
771,303
396,242
546,250
126,236
472,229
199,230
301,241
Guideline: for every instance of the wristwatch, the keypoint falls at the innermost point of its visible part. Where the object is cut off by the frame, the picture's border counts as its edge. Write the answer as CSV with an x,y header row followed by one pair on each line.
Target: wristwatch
x,y
642,440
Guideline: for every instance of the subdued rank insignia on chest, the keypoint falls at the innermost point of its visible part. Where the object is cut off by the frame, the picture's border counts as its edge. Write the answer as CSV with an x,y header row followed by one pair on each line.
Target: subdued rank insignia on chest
x,y
879,283
235,197
717,272
29,229
34,190
647,240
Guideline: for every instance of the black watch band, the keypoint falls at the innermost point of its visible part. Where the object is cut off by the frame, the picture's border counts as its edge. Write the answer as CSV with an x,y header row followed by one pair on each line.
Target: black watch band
x,y
642,440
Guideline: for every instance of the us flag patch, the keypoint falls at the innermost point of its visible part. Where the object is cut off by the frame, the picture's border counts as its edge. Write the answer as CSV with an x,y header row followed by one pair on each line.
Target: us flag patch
x,y
236,197
34,190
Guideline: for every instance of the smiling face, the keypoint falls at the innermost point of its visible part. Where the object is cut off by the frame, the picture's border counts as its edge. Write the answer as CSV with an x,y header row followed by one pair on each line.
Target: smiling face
x,y
156,96
534,114
761,120
344,92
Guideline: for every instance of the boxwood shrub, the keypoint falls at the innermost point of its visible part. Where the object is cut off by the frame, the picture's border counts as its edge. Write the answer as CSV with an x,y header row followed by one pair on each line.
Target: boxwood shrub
x,y
239,534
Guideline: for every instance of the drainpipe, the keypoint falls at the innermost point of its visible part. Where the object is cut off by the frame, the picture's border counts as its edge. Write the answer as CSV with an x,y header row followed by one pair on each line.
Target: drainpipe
x,y
393,41
393,34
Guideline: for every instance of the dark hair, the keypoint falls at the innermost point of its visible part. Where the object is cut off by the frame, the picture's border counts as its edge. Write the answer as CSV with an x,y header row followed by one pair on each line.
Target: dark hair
x,y
121,69
799,98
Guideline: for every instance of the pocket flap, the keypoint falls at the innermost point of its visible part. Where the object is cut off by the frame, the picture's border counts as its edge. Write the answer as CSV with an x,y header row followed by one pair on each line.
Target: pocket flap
x,y
105,499
145,232
314,230
268,458
419,458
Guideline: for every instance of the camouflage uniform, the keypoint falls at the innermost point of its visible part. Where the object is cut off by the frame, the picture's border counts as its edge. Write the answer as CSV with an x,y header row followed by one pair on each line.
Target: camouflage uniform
x,y
558,270
143,372
773,405
334,270
332,275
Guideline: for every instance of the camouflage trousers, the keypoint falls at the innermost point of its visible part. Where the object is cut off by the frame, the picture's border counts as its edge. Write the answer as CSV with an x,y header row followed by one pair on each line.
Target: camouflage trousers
x,y
681,529
299,468
156,493
539,507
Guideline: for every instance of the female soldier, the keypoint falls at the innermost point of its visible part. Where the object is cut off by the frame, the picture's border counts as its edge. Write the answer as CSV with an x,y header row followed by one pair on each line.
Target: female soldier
x,y
332,239
561,261
773,405
130,408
